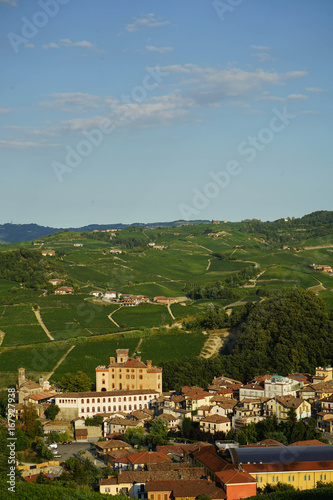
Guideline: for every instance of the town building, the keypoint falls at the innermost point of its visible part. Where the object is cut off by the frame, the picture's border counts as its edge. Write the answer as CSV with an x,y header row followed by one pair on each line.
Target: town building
x,y
125,373
87,404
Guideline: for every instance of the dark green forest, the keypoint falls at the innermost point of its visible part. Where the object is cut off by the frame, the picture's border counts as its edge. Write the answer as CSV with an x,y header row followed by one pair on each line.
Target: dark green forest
x,y
290,332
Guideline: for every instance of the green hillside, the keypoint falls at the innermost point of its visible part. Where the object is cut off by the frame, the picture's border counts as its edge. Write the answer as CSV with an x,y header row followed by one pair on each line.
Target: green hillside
x,y
225,264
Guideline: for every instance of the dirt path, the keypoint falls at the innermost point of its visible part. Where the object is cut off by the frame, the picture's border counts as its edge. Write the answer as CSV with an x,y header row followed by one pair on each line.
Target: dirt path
x,y
40,321
2,336
316,288
319,246
137,347
170,312
49,375
111,318
209,263
208,249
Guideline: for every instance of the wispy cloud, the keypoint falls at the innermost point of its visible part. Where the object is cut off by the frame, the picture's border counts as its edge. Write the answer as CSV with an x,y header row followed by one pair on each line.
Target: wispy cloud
x,y
315,89
262,56
66,42
13,3
145,21
4,111
266,96
17,144
161,50
71,101
259,47
29,45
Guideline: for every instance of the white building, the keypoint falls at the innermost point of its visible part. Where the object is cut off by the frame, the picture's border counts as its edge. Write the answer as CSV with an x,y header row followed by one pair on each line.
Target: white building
x,y
87,404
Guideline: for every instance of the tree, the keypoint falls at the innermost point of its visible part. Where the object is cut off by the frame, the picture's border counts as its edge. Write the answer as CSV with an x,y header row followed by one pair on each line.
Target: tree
x,y
135,436
30,420
75,383
158,434
52,411
96,420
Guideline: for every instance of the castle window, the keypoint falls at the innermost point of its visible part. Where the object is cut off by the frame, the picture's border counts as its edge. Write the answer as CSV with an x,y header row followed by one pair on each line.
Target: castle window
x,y
134,398
87,410
140,371
98,400
119,399
82,401
93,409
145,398
125,408
114,408
109,400
127,376
125,398
140,377
114,400
140,397
93,400
127,370
109,408
103,381
130,407
98,409
87,400
132,376
132,370
104,409
119,408
134,407
103,400
130,399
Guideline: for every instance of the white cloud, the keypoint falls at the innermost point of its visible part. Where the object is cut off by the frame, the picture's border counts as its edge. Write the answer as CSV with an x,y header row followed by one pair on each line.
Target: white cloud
x,y
17,144
266,96
161,50
13,3
315,89
262,56
51,45
71,101
259,47
145,21
4,111
300,97
66,42
29,45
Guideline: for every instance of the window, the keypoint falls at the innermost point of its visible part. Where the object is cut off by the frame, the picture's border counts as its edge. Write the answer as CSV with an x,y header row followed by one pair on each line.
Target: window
x,y
132,377
87,410
109,400
134,398
109,408
324,476
93,409
119,407
127,370
305,478
140,377
103,381
104,409
320,477
119,400
261,479
273,479
114,400
82,410
125,408
293,478
103,400
93,401
145,398
98,409
130,399
114,408
130,407
98,400
308,478
288,478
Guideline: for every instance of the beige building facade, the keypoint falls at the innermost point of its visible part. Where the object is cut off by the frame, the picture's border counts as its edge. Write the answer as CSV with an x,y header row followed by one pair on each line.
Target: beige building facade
x,y
125,373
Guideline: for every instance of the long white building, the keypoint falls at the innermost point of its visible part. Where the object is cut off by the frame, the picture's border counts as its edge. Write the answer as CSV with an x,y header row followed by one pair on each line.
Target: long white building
x,y
87,404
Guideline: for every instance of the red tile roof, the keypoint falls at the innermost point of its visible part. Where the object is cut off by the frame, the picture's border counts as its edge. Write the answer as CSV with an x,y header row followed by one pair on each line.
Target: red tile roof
x,y
310,442
235,476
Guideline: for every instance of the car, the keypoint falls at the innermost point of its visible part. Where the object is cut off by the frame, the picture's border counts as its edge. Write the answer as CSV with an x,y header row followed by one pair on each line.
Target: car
x,y
64,442
52,446
57,455
70,442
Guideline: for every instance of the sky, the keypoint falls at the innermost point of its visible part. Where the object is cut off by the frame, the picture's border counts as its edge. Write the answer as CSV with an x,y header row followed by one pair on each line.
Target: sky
x,y
146,110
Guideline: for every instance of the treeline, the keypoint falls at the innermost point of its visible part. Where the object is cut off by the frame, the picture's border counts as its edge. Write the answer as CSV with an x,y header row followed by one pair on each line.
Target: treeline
x,y
290,332
226,289
27,267
215,317
317,224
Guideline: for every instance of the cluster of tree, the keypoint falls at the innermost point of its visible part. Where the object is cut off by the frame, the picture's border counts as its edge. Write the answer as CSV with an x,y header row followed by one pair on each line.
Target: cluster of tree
x,y
219,290
158,434
290,332
283,492
130,240
27,267
96,420
213,318
213,291
75,383
281,231
287,432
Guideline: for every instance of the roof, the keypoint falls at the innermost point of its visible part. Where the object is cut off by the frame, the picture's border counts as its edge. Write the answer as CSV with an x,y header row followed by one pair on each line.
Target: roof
x,y
41,395
215,419
235,476
290,401
310,442
148,457
209,457
104,394
272,455
123,421
187,488
112,443
266,442
166,471
288,466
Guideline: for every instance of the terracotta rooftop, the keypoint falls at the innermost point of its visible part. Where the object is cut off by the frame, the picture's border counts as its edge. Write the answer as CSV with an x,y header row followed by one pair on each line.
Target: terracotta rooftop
x,y
235,476
148,457
112,443
310,442
187,488
215,419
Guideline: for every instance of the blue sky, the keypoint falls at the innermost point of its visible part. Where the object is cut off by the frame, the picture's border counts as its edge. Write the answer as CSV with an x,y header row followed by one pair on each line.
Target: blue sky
x,y
153,111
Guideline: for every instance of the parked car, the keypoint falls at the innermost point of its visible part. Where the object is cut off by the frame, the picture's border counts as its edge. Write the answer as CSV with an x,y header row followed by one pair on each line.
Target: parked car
x,y
70,442
52,446
57,455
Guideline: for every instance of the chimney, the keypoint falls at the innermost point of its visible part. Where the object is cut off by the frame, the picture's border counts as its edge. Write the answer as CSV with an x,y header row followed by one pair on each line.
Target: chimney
x,y
138,358
149,363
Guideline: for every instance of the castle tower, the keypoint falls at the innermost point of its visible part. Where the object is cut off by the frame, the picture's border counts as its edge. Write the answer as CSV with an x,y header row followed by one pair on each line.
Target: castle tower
x,y
21,376
122,355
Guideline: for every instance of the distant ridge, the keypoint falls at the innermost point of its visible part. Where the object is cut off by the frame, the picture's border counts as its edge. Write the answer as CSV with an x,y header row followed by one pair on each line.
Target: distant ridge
x,y
16,233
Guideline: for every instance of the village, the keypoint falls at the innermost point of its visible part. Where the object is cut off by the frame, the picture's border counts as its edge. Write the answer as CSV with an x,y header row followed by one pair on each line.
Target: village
x,y
129,405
